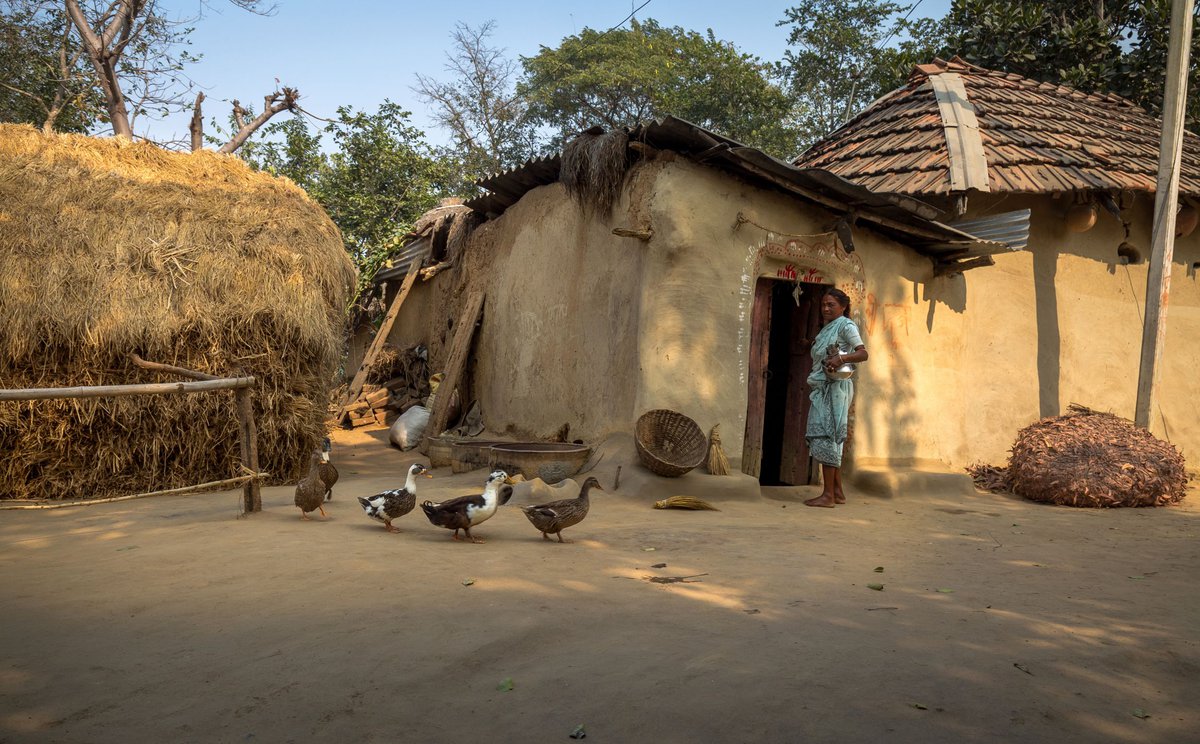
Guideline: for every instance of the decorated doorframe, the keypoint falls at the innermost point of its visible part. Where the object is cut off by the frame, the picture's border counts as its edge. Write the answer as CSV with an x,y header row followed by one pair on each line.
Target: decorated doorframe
x,y
815,259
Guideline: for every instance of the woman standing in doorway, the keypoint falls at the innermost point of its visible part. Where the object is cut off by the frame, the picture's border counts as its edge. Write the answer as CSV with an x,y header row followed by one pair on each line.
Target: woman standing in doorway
x,y
838,343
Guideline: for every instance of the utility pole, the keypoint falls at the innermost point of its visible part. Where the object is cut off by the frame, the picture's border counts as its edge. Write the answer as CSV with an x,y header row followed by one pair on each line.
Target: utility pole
x,y
1166,201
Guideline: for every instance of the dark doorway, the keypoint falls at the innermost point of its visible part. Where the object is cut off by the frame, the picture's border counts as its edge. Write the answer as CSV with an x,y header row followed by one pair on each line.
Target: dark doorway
x,y
781,341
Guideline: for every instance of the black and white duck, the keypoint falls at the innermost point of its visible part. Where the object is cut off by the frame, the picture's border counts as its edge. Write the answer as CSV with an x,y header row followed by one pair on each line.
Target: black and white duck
x,y
329,473
310,491
389,505
465,512
554,517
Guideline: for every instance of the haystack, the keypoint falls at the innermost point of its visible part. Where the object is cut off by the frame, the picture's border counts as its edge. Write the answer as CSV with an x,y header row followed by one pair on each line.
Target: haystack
x,y
109,248
1094,459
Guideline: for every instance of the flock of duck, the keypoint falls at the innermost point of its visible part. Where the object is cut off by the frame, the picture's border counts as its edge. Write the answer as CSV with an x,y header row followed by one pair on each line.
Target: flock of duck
x,y
458,514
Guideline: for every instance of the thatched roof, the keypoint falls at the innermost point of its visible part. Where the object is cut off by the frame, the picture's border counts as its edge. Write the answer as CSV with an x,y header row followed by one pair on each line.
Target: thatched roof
x,y
109,247
953,119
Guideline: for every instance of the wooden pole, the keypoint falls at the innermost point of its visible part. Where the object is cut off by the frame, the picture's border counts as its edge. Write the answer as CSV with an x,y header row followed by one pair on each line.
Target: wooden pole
x,y
439,417
113,391
1166,200
356,385
248,436
221,484
172,369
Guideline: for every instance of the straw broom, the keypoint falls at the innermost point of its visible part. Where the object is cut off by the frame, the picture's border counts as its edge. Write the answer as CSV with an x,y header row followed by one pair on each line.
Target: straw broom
x,y
685,502
718,463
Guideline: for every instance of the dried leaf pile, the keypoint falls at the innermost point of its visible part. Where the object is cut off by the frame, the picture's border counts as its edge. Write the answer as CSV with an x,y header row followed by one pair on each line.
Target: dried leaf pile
x,y
110,247
1093,459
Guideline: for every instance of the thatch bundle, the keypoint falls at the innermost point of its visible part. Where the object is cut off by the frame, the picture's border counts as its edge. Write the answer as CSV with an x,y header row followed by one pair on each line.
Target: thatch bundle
x,y
1088,458
446,227
109,248
594,166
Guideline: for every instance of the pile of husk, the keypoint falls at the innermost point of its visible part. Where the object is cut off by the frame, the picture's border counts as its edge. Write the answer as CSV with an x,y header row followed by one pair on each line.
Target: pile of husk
x,y
1094,459
593,168
109,248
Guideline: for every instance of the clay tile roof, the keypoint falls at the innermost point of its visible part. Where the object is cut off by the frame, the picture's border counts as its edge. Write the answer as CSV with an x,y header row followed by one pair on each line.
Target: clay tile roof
x,y
1036,138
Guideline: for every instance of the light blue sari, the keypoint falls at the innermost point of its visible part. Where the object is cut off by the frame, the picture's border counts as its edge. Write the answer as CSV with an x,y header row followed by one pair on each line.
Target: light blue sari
x,y
830,410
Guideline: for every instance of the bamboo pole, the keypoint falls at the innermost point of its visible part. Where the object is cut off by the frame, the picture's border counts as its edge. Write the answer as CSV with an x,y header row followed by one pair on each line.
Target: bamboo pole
x,y
1166,200
172,369
105,391
221,484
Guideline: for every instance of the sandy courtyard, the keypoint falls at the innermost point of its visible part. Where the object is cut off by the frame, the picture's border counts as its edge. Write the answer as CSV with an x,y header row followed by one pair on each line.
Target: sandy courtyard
x,y
172,620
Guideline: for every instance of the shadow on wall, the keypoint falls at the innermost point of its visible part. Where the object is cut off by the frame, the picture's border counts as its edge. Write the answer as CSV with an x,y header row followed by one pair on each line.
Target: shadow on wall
x,y
1049,337
889,412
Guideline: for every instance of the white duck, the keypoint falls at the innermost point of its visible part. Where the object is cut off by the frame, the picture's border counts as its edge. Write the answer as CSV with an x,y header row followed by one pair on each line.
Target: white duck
x,y
465,512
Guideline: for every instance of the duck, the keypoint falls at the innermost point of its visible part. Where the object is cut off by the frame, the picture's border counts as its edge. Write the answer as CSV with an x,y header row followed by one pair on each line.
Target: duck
x,y
465,512
310,491
389,505
556,516
329,473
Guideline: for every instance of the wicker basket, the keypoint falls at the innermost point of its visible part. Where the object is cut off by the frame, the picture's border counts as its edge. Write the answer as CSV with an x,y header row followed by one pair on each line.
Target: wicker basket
x,y
669,443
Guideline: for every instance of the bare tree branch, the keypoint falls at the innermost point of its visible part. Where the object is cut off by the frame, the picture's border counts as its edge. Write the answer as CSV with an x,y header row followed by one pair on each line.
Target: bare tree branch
x,y
272,104
196,127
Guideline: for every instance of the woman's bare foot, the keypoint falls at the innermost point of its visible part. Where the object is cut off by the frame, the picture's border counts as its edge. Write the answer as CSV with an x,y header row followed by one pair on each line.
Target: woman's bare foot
x,y
839,497
826,499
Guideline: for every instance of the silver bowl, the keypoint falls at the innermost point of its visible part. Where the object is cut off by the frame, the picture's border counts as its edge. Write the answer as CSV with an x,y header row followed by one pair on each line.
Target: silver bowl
x,y
844,372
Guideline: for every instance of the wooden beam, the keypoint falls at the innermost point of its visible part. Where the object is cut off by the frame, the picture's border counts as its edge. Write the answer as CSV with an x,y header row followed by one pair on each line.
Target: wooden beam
x,y
113,391
958,267
459,350
1166,200
381,337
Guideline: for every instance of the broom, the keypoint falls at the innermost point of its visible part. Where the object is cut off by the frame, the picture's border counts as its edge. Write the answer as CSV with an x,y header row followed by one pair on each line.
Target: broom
x,y
685,502
718,463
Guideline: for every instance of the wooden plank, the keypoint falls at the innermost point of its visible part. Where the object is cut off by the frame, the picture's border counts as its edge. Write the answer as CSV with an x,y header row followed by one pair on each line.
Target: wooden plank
x,y
114,391
360,377
459,350
756,382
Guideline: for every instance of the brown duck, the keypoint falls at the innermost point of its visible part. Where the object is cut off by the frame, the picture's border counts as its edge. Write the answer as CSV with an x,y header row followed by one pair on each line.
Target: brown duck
x,y
310,491
329,473
556,516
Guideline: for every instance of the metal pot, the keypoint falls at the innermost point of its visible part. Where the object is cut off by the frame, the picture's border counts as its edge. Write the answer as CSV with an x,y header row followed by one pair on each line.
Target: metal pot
x,y
844,372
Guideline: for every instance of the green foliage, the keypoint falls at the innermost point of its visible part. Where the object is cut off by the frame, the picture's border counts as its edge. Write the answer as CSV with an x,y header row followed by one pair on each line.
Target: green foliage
x,y
625,76
377,179
846,53
33,86
1098,46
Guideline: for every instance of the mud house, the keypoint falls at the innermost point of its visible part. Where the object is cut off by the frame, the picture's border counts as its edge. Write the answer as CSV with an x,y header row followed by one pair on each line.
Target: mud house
x,y
1057,323
697,291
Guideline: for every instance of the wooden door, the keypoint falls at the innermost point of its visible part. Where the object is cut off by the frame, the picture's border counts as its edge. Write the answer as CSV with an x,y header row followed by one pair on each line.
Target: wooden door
x,y
756,404
794,465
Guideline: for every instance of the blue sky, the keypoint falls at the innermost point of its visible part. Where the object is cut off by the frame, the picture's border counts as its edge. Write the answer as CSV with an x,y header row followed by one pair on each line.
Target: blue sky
x,y
360,52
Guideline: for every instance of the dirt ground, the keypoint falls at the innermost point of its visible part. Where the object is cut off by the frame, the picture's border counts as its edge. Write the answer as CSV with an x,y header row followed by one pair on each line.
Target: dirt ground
x,y
172,620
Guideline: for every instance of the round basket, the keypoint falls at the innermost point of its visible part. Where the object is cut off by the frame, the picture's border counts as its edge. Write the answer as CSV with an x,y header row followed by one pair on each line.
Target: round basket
x,y
669,443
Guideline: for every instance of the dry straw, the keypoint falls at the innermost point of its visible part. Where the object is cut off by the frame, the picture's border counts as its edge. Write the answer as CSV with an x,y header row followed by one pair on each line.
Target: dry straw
x,y
108,248
593,168
718,463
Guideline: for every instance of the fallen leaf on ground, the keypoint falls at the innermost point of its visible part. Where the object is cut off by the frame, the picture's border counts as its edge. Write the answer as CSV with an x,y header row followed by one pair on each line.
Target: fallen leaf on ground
x,y
1022,668
876,587
579,733
505,685
1139,713
648,550
1137,578
659,565
468,582
879,569
946,591
918,706
751,612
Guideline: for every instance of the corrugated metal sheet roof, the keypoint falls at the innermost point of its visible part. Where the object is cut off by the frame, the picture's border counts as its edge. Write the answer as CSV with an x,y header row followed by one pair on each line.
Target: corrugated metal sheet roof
x,y
900,216
1037,138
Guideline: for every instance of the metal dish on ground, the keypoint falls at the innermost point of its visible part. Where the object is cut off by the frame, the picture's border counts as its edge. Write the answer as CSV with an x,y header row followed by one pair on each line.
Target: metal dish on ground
x,y
550,461
471,454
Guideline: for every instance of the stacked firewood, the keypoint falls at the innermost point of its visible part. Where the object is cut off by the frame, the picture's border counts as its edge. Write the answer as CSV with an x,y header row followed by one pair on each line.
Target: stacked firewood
x,y
397,380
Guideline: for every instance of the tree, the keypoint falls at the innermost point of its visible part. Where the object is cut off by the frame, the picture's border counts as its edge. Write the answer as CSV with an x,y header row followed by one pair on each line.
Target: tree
x,y
379,177
841,60
621,77
44,79
479,106
1098,46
